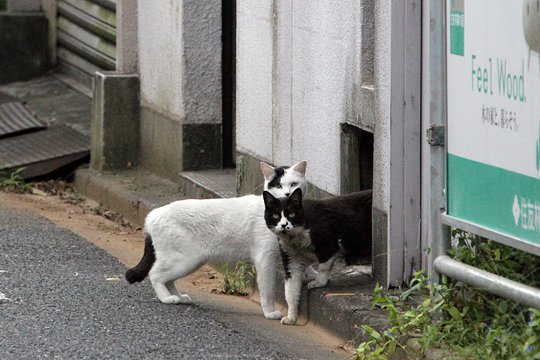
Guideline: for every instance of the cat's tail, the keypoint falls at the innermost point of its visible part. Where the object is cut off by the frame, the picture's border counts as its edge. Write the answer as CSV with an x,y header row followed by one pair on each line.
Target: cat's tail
x,y
139,272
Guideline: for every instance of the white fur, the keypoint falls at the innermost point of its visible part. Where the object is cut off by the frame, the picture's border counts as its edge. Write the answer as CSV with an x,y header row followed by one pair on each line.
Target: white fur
x,y
292,179
190,233
187,234
296,242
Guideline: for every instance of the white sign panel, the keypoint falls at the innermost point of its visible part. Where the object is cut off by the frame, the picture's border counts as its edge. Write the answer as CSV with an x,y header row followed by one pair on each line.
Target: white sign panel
x,y
493,91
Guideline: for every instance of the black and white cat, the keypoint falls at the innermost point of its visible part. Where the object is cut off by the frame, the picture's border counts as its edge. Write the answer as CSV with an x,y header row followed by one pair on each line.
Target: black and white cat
x,y
317,231
184,235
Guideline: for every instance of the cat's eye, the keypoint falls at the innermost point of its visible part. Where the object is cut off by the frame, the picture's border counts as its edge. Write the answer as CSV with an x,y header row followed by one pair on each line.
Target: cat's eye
x,y
278,186
275,216
291,215
294,184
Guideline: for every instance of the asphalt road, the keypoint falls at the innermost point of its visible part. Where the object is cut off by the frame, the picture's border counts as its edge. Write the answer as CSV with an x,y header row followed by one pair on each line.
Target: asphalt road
x,y
57,300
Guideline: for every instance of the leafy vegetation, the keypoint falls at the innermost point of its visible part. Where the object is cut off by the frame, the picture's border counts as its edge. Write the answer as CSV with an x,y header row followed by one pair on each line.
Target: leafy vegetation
x,y
237,278
14,182
465,323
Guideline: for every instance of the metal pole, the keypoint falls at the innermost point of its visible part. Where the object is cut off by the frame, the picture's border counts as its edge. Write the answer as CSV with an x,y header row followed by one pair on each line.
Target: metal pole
x,y
487,281
438,234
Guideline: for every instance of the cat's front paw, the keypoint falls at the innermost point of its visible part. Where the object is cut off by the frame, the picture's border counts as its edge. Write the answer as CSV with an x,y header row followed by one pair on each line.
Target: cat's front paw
x,y
274,315
316,284
309,274
288,320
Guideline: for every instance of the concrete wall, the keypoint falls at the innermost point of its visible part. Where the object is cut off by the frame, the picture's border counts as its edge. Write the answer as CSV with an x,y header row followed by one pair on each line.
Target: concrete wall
x,y
160,36
381,104
254,54
23,5
303,68
179,63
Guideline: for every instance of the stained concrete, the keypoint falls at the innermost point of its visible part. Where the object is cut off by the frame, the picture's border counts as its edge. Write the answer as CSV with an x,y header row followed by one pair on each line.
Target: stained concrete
x,y
115,121
23,46
53,102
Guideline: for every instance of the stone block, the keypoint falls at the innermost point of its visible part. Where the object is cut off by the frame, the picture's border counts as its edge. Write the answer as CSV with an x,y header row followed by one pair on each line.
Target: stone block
x,y
115,121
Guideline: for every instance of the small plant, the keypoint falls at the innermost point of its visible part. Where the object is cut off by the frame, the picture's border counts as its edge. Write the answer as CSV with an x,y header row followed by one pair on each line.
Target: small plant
x,y
15,183
464,322
238,280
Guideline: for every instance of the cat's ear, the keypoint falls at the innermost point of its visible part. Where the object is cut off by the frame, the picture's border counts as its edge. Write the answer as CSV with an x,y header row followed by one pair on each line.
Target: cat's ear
x,y
296,197
268,198
267,171
300,167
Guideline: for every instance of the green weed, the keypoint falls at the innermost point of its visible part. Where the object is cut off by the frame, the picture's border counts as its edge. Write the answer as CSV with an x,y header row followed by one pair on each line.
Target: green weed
x,y
14,182
465,323
238,278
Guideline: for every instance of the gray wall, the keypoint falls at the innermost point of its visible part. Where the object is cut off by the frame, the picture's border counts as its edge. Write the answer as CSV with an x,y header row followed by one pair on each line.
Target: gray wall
x,y
179,62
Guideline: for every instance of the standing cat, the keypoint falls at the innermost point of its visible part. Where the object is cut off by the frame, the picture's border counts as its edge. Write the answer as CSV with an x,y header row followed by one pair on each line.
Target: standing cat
x,y
285,179
184,235
317,231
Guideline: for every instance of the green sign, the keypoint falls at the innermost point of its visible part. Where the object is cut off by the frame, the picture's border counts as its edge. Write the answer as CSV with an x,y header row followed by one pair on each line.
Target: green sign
x,y
457,27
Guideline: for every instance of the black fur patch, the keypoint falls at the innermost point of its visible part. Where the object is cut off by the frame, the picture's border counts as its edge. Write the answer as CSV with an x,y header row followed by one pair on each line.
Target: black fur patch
x,y
278,174
342,221
285,260
139,272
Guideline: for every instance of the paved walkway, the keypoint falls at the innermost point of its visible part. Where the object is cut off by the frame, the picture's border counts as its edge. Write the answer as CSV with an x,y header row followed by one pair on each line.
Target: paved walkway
x,y
59,299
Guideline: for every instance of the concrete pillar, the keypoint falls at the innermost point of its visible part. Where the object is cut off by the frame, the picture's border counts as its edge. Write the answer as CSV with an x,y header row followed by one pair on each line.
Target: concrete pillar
x,y
49,9
126,36
115,121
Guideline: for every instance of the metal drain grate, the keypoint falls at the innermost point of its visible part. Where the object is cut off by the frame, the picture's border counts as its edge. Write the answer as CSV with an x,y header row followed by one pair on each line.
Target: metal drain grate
x,y
44,151
15,119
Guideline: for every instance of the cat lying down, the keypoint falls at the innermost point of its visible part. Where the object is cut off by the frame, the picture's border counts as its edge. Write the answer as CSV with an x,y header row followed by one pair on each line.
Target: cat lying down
x,y
184,235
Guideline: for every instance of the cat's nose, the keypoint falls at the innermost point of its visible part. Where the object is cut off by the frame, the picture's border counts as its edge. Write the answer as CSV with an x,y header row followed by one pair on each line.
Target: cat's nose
x,y
283,226
287,194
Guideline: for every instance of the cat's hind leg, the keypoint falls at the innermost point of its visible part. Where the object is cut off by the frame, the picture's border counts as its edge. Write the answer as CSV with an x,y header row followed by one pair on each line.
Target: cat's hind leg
x,y
165,296
163,275
174,291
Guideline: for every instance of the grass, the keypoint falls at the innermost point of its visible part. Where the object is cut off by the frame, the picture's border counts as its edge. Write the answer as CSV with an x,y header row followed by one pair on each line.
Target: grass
x,y
15,183
238,278
464,322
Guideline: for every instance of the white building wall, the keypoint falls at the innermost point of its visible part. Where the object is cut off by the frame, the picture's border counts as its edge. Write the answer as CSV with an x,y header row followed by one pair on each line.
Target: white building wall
x,y
298,73
254,78
324,47
160,56
381,144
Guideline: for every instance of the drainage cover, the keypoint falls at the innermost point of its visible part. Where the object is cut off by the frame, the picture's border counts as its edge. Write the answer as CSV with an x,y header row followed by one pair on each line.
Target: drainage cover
x,y
42,152
15,119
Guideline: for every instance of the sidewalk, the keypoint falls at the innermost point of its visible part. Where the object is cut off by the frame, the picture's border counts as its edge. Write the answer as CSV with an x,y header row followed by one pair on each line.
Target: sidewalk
x,y
338,308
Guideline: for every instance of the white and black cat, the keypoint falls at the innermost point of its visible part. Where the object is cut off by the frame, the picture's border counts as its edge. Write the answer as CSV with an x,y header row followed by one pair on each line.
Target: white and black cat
x,y
184,235
317,231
